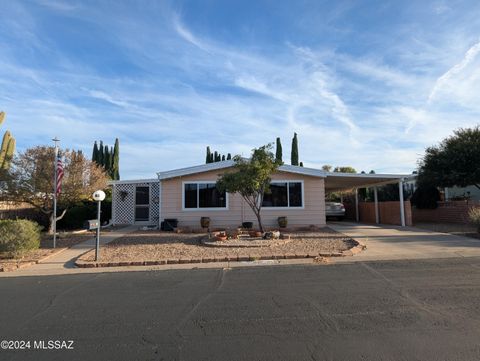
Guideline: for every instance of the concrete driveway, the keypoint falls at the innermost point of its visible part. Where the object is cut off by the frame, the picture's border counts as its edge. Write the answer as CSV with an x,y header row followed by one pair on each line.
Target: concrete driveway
x,y
393,243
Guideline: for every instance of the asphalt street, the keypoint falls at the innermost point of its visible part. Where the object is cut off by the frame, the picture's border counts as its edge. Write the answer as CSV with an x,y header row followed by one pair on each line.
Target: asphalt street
x,y
395,310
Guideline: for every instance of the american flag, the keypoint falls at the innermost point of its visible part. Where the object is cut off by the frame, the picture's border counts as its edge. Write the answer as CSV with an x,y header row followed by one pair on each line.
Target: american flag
x,y
59,176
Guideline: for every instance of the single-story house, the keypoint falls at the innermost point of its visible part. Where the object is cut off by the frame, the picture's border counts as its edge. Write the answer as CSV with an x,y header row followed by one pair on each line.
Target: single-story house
x,y
187,194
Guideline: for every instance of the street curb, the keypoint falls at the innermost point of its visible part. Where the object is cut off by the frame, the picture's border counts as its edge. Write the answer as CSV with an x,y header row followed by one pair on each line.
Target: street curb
x,y
359,247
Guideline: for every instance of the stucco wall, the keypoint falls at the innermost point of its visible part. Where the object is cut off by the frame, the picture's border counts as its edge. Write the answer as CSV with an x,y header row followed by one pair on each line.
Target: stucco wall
x,y
238,211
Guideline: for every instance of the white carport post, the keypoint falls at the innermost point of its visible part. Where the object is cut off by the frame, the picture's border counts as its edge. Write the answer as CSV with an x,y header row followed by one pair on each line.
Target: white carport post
x,y
357,216
375,196
402,206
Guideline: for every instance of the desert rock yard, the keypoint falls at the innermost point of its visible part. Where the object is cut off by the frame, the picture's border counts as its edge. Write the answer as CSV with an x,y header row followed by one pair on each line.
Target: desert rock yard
x,y
150,246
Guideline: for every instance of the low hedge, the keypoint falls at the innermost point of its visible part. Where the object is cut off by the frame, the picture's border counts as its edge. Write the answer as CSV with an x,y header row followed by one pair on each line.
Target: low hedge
x,y
77,215
18,236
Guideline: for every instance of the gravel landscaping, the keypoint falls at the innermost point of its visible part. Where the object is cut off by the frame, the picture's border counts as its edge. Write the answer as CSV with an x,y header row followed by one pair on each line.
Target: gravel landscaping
x,y
144,246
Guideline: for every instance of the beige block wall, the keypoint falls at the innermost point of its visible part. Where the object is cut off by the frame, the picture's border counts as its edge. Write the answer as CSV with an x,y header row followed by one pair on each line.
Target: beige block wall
x,y
238,211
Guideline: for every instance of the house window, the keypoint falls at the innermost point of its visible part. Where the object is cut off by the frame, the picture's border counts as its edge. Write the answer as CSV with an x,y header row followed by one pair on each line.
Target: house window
x,y
284,194
203,195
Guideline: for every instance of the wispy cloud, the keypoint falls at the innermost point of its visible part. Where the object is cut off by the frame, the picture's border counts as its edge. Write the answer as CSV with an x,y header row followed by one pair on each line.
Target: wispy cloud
x,y
186,34
442,81
58,5
168,88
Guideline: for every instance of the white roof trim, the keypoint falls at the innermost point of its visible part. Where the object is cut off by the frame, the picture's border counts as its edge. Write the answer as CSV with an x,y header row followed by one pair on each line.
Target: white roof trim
x,y
230,163
302,170
133,181
369,176
195,169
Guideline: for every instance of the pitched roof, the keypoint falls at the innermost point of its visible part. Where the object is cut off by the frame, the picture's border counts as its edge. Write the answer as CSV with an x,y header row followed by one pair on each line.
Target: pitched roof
x,y
230,163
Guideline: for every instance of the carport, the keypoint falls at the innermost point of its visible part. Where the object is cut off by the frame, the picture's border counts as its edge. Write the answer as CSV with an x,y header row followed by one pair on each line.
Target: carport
x,y
335,182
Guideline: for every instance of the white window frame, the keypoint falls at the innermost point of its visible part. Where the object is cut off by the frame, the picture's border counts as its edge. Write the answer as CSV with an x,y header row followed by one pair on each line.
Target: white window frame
x,y
270,208
198,209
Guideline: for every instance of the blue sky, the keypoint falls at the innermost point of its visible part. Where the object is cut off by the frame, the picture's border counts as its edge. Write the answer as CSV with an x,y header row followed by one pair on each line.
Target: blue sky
x,y
364,83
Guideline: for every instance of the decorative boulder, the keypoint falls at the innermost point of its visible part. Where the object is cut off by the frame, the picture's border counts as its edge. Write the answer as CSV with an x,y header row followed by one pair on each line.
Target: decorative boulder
x,y
272,235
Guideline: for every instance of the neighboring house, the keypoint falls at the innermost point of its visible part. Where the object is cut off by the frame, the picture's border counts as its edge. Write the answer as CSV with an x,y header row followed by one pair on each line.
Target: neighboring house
x,y
188,194
470,192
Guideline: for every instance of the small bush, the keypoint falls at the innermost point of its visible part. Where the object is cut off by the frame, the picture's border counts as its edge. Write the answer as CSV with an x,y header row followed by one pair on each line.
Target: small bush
x,y
18,236
474,217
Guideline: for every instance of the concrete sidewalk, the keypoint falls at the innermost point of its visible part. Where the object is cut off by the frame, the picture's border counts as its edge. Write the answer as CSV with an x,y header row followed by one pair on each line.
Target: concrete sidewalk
x,y
64,262
394,243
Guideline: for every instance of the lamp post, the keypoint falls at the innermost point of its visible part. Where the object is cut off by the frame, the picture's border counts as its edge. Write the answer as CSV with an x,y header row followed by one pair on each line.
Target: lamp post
x,y
98,196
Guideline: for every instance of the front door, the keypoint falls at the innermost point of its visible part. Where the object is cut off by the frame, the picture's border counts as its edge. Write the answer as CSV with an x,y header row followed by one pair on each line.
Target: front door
x,y
142,204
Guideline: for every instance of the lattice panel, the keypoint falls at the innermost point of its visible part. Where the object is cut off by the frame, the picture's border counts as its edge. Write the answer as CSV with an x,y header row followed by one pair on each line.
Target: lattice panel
x,y
124,194
154,202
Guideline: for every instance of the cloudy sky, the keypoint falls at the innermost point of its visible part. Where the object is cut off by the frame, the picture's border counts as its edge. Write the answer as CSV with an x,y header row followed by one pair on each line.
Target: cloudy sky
x,y
368,84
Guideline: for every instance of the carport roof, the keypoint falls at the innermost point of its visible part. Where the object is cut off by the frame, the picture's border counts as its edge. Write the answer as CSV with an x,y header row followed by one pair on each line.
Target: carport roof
x,y
345,181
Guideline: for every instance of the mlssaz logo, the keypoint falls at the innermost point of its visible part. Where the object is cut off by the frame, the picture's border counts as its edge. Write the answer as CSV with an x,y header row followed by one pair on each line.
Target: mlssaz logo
x,y
53,345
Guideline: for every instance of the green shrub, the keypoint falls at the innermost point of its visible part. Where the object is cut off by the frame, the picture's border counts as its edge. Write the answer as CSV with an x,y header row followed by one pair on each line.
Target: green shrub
x,y
474,217
77,215
18,236
425,197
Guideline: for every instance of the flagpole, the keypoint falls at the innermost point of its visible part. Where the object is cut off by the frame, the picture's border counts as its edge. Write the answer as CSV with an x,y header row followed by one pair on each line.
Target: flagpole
x,y
55,140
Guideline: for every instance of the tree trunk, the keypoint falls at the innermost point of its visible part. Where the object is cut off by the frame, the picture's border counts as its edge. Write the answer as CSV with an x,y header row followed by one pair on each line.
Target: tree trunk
x,y
50,226
259,218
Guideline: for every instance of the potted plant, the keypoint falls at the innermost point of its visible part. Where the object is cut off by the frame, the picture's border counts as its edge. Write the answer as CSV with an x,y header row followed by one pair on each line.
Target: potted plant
x,y
221,236
282,222
205,222
247,225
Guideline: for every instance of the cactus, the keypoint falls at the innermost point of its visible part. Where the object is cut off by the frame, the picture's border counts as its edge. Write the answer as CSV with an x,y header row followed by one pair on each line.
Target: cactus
x,y
8,147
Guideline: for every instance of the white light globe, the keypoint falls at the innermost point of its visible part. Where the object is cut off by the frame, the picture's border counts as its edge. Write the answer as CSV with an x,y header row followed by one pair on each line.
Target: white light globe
x,y
99,196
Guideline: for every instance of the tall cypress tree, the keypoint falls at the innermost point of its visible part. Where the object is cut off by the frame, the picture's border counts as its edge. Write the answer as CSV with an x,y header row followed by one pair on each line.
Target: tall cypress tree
x,y
223,158
106,159
294,155
215,156
95,153
211,158
101,155
278,151
229,156
111,161
116,161
207,157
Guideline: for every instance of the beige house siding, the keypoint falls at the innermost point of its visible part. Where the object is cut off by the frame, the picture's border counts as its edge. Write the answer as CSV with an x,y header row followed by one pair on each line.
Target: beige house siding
x,y
312,213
